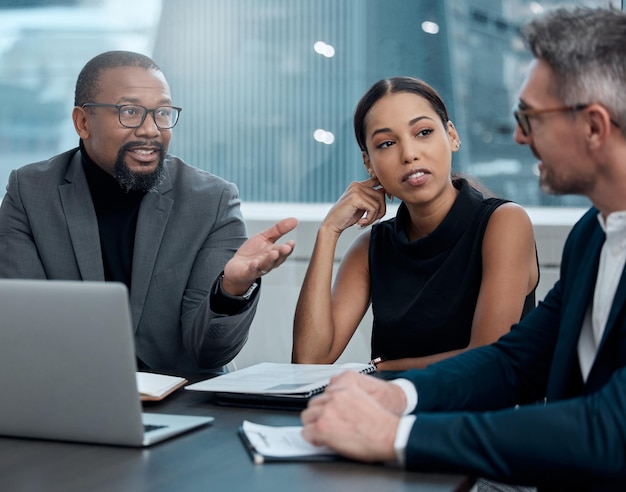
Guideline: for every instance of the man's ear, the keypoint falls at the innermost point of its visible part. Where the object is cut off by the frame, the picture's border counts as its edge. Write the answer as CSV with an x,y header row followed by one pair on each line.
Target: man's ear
x,y
368,166
81,122
599,124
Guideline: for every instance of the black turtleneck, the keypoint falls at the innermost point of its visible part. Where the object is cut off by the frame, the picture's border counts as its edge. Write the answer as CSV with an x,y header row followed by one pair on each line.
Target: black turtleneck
x,y
117,211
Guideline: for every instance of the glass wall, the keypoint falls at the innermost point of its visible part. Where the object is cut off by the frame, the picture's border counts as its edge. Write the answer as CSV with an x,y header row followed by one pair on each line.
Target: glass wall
x,y
268,87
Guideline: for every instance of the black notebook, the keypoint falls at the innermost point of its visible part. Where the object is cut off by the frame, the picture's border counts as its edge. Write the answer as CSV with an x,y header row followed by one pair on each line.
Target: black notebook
x,y
275,383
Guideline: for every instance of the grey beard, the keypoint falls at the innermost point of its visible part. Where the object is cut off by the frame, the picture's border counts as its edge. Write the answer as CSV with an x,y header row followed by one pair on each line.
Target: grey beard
x,y
129,180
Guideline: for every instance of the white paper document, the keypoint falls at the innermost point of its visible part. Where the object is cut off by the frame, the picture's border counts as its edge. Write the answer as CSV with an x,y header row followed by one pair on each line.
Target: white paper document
x,y
268,443
273,378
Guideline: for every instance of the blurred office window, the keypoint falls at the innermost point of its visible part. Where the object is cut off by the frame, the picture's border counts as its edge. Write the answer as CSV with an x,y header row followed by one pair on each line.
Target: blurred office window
x,y
268,87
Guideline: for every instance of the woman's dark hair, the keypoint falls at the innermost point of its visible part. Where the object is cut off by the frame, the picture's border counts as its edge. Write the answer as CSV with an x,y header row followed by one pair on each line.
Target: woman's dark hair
x,y
413,86
392,85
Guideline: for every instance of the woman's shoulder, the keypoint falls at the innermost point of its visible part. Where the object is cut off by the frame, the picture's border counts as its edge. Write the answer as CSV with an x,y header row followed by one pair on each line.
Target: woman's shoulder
x,y
508,210
509,220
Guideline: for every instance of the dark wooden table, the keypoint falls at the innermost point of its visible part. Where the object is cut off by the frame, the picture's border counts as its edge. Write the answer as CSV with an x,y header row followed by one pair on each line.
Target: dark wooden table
x,y
208,459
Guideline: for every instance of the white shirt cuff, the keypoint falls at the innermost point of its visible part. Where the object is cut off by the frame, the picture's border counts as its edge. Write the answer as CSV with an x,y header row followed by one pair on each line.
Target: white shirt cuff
x,y
402,438
409,392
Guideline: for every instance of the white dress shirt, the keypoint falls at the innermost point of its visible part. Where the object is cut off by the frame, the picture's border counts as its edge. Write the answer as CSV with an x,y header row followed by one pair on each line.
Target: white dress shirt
x,y
612,261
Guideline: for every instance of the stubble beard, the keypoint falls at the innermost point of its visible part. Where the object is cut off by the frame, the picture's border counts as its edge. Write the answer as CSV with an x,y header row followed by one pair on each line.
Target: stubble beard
x,y
552,184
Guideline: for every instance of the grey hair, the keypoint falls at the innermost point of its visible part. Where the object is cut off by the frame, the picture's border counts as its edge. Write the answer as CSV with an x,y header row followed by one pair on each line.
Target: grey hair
x,y
586,49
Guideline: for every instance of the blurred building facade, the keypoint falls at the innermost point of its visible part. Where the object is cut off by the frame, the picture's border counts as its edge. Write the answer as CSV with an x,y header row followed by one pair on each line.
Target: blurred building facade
x,y
268,87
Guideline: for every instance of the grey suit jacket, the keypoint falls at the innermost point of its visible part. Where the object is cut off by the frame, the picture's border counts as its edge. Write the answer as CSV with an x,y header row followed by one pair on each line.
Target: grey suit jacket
x,y
186,232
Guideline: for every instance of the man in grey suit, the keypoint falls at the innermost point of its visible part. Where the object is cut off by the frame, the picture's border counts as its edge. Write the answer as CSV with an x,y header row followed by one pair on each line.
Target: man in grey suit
x,y
565,363
120,208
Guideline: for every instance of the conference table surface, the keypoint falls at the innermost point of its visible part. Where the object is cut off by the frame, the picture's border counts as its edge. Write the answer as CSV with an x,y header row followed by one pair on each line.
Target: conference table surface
x,y
209,458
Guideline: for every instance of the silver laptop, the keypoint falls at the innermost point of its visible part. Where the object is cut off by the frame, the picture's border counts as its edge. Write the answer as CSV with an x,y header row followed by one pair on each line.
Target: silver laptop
x,y
67,366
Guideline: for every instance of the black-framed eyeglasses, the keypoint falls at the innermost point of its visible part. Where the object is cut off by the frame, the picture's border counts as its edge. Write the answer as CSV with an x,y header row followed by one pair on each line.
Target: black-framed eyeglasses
x,y
133,115
523,114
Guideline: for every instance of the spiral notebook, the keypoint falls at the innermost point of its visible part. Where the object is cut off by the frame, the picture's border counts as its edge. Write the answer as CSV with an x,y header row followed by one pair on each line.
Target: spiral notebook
x,y
275,383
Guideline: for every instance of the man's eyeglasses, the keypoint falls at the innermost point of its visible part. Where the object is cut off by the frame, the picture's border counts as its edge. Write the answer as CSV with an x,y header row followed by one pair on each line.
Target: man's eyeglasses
x,y
523,114
133,115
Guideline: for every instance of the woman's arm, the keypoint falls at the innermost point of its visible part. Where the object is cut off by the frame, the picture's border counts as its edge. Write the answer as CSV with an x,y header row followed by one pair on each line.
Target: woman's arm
x,y
325,317
510,272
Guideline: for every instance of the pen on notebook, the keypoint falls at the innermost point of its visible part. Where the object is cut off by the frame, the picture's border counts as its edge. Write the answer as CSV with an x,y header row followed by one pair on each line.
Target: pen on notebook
x,y
257,457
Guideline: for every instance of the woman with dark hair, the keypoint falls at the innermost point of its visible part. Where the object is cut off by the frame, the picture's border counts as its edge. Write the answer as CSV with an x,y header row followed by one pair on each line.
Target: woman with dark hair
x,y
452,271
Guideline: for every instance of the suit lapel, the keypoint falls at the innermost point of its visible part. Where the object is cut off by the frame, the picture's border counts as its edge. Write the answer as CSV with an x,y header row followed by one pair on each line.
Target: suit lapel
x,y
565,375
617,307
153,217
82,223
84,234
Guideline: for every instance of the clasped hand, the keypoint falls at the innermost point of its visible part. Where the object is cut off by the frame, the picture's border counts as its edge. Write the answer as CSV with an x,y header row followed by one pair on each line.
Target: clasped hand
x,y
357,416
257,256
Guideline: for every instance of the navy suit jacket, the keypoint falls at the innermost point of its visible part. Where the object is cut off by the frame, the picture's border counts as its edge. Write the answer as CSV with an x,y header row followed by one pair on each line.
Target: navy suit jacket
x,y
565,434
186,232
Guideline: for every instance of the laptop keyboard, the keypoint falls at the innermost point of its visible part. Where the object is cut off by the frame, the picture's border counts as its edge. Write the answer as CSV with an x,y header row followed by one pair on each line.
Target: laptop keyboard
x,y
151,427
